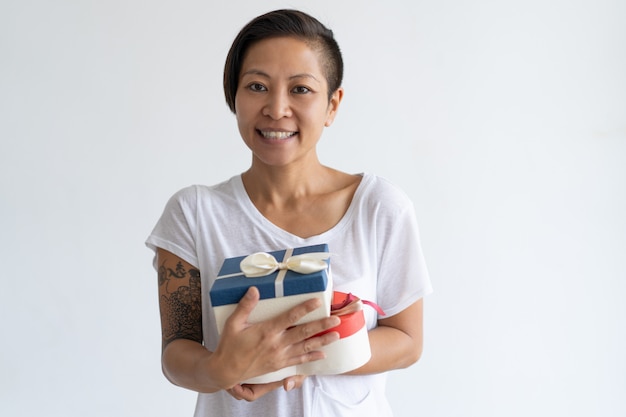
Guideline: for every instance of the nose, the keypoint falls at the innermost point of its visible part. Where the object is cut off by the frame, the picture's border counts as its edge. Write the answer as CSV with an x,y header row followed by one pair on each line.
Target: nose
x,y
277,105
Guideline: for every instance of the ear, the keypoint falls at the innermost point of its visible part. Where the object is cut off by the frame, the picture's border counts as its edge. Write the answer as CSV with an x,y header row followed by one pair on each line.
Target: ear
x,y
333,106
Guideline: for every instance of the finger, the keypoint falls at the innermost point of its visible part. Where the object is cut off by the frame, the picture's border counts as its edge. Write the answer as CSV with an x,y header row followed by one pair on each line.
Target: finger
x,y
293,382
293,315
309,350
245,307
251,392
241,392
306,331
235,392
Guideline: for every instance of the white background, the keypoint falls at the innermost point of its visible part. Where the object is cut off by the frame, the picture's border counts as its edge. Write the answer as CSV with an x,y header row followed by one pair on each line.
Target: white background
x,y
505,122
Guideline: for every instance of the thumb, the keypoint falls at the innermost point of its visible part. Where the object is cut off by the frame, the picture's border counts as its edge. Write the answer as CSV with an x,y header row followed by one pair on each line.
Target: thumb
x,y
239,317
292,382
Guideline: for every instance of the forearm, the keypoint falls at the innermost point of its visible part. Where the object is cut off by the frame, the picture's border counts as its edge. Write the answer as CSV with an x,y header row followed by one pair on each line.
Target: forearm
x,y
397,341
391,349
190,365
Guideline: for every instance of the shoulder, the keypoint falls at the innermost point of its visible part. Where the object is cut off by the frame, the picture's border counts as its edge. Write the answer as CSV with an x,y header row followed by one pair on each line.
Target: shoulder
x,y
384,194
191,195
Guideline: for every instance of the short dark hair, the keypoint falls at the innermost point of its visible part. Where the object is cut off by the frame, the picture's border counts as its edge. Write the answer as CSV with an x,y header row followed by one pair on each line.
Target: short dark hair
x,y
279,23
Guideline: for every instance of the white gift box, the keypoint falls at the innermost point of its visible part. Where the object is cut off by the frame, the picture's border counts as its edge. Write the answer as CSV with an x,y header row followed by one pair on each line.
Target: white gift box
x,y
280,289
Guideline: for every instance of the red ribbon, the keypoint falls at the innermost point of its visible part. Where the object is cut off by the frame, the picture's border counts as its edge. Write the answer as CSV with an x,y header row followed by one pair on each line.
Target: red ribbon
x,y
351,322
339,303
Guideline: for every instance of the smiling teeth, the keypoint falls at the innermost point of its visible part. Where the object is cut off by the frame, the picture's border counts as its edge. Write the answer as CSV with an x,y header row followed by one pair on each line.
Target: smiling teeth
x,y
277,135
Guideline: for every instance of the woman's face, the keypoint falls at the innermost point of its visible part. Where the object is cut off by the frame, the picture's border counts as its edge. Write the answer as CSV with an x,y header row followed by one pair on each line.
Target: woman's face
x,y
282,101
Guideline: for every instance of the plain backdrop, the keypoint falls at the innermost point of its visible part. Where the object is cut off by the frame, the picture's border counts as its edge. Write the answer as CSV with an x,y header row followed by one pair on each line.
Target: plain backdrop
x,y
504,121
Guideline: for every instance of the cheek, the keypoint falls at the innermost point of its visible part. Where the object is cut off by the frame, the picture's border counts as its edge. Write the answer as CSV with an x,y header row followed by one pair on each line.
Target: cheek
x,y
317,114
242,105
237,106
242,119
242,112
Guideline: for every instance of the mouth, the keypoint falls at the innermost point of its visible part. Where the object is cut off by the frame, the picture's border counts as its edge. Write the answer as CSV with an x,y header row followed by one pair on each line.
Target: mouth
x,y
276,135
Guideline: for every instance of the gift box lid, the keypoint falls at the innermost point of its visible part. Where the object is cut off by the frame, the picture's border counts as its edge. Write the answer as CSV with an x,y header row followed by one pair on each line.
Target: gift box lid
x,y
233,285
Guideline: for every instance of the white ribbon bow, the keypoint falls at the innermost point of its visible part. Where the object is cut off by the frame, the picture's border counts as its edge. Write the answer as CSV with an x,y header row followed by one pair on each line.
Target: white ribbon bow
x,y
261,264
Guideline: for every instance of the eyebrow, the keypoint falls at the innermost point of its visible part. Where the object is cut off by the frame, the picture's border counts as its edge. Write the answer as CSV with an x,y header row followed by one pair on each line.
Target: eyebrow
x,y
265,75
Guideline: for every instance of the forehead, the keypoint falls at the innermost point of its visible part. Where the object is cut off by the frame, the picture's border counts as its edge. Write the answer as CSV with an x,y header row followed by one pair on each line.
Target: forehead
x,y
282,53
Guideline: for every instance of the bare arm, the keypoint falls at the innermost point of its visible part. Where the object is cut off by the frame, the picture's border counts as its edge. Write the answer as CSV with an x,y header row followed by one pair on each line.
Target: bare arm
x,y
397,341
180,306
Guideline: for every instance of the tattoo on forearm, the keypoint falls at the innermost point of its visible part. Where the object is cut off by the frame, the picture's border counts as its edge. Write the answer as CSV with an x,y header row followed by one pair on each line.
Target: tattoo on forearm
x,y
181,305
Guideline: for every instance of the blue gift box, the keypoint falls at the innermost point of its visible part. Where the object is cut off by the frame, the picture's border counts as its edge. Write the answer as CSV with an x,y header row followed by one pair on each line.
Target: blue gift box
x,y
279,290
231,284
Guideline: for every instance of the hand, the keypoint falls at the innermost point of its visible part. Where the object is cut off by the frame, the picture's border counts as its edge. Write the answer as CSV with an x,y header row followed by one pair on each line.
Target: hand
x,y
251,392
248,350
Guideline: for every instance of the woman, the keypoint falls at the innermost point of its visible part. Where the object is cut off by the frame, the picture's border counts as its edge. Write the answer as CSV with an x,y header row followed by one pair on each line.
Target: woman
x,y
282,80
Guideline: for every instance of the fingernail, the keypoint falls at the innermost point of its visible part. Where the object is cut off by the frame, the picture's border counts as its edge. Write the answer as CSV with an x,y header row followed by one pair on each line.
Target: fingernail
x,y
290,385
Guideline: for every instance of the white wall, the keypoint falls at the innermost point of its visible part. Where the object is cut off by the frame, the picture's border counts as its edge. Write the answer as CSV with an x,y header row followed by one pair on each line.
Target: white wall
x,y
505,121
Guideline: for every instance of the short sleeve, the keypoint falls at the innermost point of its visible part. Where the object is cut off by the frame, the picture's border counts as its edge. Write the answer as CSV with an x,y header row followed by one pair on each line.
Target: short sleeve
x,y
402,275
175,229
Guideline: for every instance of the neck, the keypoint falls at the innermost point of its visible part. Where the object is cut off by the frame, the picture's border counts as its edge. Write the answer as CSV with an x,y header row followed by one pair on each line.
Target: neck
x,y
281,185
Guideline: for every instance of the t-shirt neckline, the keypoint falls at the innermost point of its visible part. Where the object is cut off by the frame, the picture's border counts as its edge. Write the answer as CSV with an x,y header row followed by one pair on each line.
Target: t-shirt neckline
x,y
266,224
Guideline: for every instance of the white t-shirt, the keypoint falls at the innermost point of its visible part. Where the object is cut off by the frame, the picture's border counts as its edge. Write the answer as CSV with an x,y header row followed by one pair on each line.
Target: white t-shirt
x,y
375,254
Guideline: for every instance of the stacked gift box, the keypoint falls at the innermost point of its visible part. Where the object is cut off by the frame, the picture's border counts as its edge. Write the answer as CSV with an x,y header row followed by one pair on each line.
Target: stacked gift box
x,y
281,288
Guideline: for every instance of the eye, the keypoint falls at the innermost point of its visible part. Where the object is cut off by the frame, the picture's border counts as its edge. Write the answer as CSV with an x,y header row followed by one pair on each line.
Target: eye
x,y
257,87
301,90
